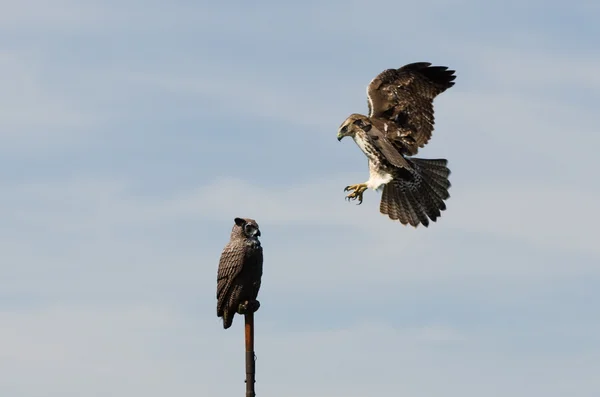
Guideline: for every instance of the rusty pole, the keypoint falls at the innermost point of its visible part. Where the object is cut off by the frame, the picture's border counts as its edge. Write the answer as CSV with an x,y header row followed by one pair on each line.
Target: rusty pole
x,y
250,368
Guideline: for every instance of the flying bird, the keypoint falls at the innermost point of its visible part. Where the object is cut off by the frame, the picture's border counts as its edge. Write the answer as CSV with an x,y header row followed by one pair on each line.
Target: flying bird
x,y
400,121
240,271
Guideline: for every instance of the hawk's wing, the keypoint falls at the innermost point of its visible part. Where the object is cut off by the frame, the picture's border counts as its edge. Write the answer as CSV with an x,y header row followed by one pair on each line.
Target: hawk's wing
x,y
380,140
405,96
230,265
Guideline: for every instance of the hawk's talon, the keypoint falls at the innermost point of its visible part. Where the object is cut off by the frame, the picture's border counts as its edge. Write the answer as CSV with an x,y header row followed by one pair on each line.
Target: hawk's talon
x,y
357,192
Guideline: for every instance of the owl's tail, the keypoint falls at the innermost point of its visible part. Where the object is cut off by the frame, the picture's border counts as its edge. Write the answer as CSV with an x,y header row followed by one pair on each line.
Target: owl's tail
x,y
227,318
415,197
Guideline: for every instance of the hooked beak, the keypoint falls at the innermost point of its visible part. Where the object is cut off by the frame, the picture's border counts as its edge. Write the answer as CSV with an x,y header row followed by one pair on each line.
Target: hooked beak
x,y
257,233
339,136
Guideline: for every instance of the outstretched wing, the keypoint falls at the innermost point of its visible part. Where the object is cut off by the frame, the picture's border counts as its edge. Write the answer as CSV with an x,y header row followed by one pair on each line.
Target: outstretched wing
x,y
405,97
230,266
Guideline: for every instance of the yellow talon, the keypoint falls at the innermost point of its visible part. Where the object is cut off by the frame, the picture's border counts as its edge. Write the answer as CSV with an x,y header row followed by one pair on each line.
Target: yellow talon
x,y
357,192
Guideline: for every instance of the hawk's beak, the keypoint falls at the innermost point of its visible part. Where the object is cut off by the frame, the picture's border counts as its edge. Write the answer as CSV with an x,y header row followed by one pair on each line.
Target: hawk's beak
x,y
339,136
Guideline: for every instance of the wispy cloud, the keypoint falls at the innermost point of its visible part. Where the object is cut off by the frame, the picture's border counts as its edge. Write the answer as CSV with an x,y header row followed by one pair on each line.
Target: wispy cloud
x,y
32,114
155,124
106,342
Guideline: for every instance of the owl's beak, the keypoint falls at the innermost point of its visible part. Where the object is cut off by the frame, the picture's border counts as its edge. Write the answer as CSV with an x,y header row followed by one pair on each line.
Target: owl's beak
x,y
257,233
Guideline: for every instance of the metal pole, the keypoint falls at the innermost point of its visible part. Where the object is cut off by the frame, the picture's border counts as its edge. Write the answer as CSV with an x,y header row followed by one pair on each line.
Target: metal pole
x,y
250,368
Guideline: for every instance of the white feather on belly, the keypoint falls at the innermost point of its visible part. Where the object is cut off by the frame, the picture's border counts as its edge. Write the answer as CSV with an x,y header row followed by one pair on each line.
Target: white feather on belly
x,y
377,177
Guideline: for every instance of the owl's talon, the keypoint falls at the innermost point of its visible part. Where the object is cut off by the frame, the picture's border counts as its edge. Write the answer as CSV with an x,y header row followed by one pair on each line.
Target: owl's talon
x,y
253,306
248,307
243,308
357,192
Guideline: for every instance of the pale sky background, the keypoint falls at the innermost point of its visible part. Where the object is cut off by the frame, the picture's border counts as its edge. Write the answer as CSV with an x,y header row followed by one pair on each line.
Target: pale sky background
x,y
133,132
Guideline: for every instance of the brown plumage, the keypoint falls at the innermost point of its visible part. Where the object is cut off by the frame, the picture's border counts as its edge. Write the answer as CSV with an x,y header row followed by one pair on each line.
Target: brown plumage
x,y
401,120
240,271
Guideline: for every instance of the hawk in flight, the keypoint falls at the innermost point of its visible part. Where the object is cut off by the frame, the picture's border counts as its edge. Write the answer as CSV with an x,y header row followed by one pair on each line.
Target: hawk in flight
x,y
240,271
400,122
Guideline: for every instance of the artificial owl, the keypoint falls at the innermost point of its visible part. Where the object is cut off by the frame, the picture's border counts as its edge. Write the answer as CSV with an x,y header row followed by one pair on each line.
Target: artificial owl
x,y
240,271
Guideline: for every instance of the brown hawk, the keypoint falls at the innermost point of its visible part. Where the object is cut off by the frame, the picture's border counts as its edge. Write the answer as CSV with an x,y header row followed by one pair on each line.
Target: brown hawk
x,y
400,122
240,271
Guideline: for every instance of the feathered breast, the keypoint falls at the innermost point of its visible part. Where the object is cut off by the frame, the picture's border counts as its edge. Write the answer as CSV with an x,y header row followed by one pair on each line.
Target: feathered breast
x,y
372,153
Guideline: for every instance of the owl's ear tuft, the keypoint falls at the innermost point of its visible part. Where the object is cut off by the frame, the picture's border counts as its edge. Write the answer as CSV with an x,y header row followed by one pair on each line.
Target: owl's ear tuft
x,y
239,221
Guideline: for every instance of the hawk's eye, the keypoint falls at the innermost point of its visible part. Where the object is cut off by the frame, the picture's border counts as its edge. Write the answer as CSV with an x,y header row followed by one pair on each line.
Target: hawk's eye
x,y
344,129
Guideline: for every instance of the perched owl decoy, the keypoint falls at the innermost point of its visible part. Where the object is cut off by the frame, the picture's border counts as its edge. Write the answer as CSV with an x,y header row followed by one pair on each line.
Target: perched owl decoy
x,y
240,271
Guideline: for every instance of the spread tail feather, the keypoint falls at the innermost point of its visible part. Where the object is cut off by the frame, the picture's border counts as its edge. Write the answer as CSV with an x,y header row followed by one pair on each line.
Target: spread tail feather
x,y
417,198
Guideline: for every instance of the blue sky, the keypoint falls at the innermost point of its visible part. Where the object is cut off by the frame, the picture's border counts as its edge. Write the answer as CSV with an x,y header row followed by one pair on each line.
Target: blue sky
x,y
133,132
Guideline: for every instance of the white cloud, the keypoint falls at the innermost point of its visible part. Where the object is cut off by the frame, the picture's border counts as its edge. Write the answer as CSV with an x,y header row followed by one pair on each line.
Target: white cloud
x,y
94,267
65,16
154,350
59,14
548,216
107,226
88,351
32,116
522,70
245,94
